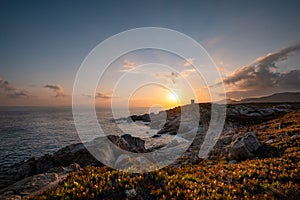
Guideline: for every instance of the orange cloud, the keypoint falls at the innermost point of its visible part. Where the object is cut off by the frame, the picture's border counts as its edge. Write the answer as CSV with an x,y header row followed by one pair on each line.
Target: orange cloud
x,y
58,89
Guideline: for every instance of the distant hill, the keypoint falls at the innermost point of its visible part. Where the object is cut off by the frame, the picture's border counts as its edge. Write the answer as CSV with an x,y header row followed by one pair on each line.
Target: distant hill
x,y
277,97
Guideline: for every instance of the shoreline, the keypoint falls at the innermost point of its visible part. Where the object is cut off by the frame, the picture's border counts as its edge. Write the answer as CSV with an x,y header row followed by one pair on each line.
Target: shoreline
x,y
74,157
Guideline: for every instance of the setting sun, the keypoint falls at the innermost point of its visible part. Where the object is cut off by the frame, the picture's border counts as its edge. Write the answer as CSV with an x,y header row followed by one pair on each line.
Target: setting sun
x,y
172,97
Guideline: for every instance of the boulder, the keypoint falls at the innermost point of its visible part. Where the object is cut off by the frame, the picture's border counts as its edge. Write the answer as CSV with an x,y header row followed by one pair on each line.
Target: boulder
x,y
129,143
243,147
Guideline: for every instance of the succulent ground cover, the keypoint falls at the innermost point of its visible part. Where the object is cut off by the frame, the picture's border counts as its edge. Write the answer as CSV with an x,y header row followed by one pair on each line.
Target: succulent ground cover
x,y
273,174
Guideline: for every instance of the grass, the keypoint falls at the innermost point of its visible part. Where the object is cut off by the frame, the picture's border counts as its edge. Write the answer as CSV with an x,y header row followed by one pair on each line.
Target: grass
x,y
269,176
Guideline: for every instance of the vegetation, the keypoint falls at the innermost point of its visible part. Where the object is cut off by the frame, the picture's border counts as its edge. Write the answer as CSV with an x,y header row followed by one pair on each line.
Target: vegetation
x,y
273,174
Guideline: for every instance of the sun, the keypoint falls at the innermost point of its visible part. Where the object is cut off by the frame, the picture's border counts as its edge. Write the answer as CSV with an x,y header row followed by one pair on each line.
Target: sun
x,y
172,97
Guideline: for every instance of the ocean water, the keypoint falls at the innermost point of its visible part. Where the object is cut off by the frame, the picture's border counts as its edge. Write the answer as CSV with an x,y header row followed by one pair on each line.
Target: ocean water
x,y
34,131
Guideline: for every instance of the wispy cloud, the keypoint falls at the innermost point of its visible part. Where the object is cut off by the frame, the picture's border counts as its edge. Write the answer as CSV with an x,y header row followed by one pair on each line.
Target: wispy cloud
x,y
102,96
57,89
98,95
188,72
6,86
11,91
188,62
128,65
17,94
262,75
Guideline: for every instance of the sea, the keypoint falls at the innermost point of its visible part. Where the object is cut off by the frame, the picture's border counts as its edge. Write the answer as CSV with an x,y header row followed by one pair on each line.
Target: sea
x,y
27,132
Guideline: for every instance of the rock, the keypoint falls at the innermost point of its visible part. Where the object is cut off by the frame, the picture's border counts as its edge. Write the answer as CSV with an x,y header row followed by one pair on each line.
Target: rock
x,y
155,136
130,193
266,111
75,153
144,118
156,124
283,106
65,170
253,115
226,139
170,127
10,175
129,143
158,121
64,160
269,141
232,162
235,136
243,147
31,186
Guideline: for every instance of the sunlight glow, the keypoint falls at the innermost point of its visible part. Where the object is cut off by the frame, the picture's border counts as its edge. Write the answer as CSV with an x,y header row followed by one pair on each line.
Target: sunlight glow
x,y
172,97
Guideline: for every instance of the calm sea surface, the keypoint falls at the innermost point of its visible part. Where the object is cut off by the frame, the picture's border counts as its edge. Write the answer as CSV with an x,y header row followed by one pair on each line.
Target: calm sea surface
x,y
34,131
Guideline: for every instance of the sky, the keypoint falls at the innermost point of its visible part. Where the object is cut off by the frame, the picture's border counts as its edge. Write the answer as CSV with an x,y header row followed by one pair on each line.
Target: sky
x,y
43,43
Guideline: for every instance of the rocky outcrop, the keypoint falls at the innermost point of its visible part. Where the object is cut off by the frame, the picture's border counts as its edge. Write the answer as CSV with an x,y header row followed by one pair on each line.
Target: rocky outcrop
x,y
37,184
129,143
244,146
71,158
144,118
255,113
238,115
168,122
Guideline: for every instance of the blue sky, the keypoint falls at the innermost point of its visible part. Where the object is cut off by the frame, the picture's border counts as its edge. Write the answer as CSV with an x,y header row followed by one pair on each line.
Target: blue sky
x,y
44,42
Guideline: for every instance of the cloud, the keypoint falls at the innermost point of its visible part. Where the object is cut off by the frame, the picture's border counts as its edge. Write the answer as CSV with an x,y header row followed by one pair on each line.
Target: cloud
x,y
173,76
188,62
262,76
58,89
128,65
98,95
102,96
11,91
17,94
187,72
6,86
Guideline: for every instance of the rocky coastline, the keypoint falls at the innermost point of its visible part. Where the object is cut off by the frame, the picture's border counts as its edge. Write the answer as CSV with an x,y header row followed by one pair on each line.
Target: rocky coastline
x,y
36,175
